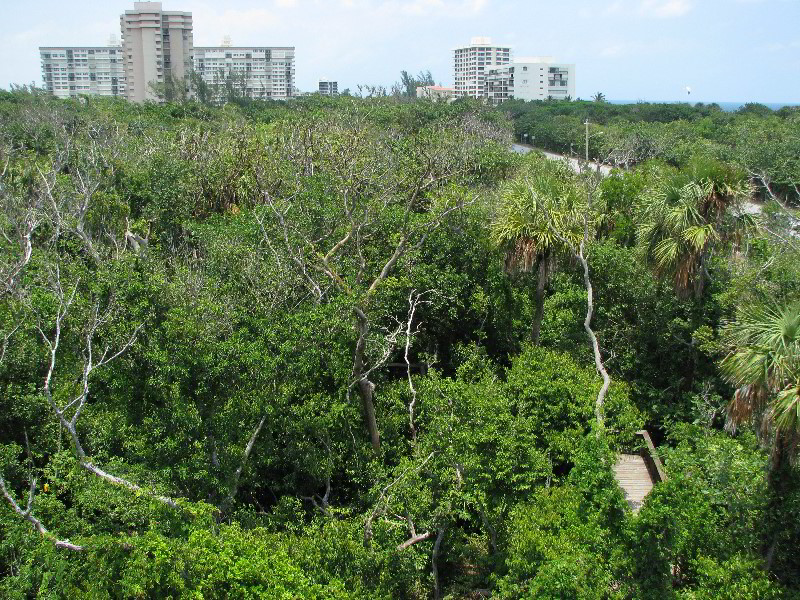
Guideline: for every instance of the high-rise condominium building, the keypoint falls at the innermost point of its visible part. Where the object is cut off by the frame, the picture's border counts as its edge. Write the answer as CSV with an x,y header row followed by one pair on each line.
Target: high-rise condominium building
x,y
328,87
95,70
471,63
254,72
534,78
156,46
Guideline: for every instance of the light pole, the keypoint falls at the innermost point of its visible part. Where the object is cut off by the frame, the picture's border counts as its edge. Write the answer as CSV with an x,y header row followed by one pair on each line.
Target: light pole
x,y
587,139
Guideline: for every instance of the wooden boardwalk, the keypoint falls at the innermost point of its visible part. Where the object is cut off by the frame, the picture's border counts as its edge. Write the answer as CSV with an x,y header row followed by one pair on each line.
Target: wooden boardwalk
x,y
638,473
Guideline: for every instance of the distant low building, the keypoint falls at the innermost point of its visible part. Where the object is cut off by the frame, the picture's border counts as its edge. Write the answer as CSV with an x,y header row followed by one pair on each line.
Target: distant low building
x,y
68,71
328,87
436,92
265,72
532,78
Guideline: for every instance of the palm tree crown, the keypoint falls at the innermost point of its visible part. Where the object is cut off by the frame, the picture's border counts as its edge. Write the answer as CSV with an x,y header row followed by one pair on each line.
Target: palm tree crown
x,y
543,200
684,215
764,365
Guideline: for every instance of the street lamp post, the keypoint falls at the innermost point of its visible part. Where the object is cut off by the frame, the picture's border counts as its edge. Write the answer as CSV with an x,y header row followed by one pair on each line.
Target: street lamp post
x,y
587,139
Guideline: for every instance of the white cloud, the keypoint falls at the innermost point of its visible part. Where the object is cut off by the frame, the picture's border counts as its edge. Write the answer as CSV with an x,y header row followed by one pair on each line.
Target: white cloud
x,y
30,35
612,51
210,24
783,46
654,9
664,9
419,8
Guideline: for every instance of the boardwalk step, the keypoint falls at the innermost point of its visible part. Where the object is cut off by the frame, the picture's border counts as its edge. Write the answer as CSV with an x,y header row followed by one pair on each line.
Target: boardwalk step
x,y
634,478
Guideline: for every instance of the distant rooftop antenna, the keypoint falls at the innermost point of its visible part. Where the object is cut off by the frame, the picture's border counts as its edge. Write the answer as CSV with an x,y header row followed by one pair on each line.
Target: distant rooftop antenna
x,y
113,40
226,42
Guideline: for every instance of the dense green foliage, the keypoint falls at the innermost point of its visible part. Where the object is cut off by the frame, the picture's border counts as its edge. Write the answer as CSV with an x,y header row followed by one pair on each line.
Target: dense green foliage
x,y
283,350
764,143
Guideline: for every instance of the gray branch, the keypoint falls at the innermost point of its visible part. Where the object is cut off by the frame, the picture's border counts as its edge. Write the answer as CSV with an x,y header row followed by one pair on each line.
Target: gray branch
x,y
27,514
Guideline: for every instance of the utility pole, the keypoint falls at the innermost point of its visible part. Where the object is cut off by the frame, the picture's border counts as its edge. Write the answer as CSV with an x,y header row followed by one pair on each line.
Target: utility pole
x,y
587,139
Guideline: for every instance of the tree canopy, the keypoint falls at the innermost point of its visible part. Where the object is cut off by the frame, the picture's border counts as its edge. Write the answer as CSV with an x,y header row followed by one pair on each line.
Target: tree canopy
x,y
283,350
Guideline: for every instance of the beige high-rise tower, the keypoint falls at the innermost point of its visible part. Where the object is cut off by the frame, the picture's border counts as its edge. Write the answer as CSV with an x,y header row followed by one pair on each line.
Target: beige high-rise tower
x,y
156,45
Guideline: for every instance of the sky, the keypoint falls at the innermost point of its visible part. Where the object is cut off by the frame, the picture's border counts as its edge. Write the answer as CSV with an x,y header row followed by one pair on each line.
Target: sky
x,y
724,50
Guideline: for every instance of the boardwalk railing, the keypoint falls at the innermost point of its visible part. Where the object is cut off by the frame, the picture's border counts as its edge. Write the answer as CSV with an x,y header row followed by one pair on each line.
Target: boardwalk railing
x,y
656,461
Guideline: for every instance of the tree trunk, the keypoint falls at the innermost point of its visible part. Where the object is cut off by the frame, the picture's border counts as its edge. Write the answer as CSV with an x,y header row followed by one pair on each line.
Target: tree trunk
x,y
541,283
777,480
700,278
437,592
366,388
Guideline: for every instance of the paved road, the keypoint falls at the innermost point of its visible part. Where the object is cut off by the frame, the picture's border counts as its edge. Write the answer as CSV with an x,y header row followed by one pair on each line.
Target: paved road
x,y
749,207
573,162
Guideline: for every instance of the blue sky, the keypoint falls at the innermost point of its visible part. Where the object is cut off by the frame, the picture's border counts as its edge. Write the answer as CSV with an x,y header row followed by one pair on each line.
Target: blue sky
x,y
726,50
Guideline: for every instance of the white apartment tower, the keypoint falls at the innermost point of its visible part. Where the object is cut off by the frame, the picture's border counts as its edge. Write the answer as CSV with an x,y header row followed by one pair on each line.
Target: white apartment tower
x,y
156,44
256,72
471,64
328,87
94,70
533,78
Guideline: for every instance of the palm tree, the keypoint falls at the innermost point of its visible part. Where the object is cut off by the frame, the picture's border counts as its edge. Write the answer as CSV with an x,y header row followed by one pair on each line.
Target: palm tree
x,y
599,97
764,365
685,215
544,199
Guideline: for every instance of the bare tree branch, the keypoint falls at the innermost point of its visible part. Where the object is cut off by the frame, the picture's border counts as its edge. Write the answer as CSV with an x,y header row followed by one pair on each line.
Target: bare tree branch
x,y
248,449
27,514
413,302
415,540
70,424
382,503
6,338
580,254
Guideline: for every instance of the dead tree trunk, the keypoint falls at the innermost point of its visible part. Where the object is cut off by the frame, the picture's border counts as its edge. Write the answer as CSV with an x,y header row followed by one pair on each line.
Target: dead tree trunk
x,y
541,283
366,388
238,473
437,592
580,254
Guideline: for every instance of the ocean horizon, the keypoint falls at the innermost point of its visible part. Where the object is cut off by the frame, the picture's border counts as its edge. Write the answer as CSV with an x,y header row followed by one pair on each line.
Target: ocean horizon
x,y
726,106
